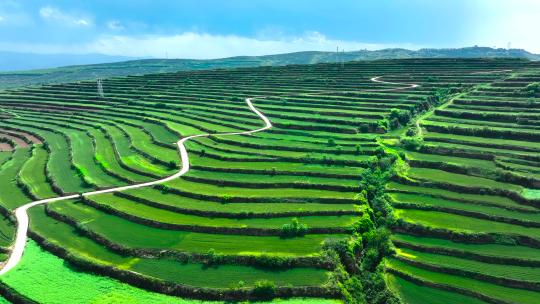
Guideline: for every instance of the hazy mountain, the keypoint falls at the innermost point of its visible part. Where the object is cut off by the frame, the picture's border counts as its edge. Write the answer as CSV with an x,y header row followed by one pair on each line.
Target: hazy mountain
x,y
10,61
14,61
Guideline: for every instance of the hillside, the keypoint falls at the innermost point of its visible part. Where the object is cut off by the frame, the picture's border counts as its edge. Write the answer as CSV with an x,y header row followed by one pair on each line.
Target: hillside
x,y
140,67
325,181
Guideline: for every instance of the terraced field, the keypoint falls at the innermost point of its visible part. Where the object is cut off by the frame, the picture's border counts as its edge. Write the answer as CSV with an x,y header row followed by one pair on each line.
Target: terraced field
x,y
469,207
256,214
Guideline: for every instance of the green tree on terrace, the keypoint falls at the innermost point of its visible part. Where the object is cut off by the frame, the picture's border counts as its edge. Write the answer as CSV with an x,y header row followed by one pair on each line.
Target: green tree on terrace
x,y
331,142
264,290
402,116
160,105
382,125
361,275
293,229
532,89
172,165
412,143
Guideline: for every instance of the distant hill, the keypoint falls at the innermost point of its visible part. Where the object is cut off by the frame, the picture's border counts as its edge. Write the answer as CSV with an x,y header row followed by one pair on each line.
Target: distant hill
x,y
10,61
145,66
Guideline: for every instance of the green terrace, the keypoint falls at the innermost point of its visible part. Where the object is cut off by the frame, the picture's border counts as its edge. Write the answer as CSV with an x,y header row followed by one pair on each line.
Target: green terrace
x,y
224,227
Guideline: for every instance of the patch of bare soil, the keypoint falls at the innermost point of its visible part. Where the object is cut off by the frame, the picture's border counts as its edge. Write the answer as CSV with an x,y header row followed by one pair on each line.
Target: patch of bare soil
x,y
50,108
18,141
5,147
21,134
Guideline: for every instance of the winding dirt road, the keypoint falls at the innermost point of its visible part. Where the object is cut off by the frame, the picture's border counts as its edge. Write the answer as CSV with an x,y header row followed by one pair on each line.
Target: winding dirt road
x,y
22,216
17,249
408,85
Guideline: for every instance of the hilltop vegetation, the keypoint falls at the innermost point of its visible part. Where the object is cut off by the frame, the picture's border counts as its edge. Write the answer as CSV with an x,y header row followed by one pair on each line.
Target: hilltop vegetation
x,y
124,67
365,191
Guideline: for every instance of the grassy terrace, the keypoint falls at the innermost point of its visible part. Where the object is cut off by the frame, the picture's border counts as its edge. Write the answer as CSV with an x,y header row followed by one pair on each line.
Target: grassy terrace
x,y
466,223
219,227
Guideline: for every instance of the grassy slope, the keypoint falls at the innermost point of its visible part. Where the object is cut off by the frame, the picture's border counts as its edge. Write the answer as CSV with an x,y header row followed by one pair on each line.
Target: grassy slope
x,y
43,277
249,152
416,294
139,67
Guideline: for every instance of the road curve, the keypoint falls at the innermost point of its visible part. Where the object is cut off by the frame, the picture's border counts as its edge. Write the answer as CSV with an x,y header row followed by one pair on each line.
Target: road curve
x,y
21,212
491,72
408,85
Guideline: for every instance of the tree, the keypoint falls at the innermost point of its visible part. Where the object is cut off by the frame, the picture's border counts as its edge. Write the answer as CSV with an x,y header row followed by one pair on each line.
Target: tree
x,y
382,125
293,229
401,116
331,142
264,289
172,164
412,143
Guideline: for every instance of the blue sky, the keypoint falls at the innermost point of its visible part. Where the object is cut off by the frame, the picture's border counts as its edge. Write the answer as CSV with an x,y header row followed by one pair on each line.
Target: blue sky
x,y
214,28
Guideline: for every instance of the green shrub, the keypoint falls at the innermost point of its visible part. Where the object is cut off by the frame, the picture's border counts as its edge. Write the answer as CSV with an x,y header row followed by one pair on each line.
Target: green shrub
x,y
401,116
264,289
533,87
364,224
412,131
225,199
172,165
293,229
160,105
331,142
364,128
412,143
382,125
163,188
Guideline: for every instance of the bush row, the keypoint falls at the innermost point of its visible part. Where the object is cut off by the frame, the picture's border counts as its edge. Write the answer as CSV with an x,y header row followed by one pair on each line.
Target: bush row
x,y
269,185
471,255
499,117
209,258
248,199
206,229
445,287
305,160
234,215
498,175
119,158
484,132
275,147
484,144
433,149
161,286
465,237
273,171
146,155
479,215
13,296
502,281
471,189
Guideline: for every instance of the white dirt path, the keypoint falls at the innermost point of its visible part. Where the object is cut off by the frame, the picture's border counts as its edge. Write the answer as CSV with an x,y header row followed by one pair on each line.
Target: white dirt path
x,y
17,249
21,212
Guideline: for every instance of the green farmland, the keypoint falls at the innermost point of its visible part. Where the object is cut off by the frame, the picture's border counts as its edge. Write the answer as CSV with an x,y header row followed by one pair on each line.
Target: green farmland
x,y
387,181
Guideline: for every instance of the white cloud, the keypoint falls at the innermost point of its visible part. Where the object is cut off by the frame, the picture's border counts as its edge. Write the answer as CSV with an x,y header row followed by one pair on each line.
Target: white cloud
x,y
500,22
115,25
198,45
55,14
203,45
1,19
